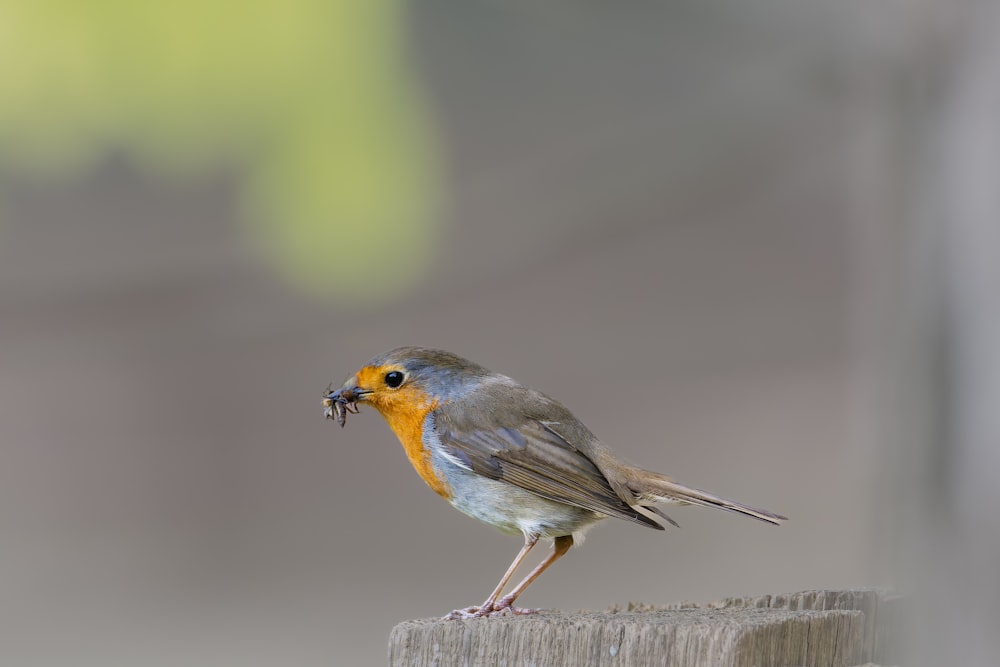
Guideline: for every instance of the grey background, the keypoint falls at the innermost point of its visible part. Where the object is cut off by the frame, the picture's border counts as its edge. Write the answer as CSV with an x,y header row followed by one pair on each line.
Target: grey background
x,y
680,220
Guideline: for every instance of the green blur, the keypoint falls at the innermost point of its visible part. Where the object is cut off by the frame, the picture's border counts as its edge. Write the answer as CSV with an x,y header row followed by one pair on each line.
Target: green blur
x,y
311,102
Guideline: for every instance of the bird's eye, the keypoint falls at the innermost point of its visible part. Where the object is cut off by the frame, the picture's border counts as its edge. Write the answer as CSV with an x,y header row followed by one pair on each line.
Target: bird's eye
x,y
393,379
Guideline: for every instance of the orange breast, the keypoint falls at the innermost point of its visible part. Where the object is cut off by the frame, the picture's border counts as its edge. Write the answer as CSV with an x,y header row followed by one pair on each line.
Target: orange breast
x,y
405,411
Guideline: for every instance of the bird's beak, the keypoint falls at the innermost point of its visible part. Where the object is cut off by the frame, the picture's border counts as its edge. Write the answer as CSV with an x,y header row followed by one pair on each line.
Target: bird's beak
x,y
350,392
338,403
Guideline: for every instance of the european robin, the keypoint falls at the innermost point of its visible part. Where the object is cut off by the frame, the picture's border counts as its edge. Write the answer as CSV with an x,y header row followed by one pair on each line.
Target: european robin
x,y
509,455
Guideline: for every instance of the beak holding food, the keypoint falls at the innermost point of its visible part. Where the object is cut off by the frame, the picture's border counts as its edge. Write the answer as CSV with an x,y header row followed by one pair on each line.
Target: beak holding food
x,y
338,403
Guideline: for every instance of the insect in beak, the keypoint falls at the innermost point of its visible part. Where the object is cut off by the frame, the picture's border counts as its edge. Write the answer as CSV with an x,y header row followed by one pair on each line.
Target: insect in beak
x,y
338,403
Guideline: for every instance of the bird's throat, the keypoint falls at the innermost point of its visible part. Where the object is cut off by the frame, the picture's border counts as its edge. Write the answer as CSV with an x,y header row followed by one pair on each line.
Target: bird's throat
x,y
408,425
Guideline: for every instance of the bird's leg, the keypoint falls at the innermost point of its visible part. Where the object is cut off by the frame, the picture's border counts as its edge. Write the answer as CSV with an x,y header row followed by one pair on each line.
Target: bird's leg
x,y
559,548
529,542
487,607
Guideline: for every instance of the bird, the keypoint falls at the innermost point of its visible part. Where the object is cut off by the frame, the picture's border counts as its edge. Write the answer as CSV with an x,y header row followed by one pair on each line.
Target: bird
x,y
510,456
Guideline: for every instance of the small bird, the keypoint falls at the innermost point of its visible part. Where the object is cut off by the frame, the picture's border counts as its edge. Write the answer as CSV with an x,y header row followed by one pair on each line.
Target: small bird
x,y
510,456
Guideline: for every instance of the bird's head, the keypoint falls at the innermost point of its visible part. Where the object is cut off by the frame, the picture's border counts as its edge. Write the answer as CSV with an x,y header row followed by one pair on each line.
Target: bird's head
x,y
402,381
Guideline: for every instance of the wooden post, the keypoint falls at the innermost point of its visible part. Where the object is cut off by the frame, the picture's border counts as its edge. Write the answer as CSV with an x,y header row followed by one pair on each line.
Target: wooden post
x,y
812,628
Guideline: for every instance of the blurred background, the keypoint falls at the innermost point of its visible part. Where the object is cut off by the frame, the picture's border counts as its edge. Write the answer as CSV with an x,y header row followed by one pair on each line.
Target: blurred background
x,y
753,246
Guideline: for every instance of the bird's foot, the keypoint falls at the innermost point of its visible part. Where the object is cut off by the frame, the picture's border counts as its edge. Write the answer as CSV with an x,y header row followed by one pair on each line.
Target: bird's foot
x,y
502,607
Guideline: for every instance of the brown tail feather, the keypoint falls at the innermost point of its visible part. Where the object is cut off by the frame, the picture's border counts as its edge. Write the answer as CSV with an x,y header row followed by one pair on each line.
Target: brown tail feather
x,y
661,487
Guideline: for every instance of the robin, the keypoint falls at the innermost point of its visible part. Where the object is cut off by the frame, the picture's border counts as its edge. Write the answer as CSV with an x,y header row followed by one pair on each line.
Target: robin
x,y
510,456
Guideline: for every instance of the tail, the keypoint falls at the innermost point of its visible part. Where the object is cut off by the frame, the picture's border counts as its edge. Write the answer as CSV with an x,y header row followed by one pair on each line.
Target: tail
x,y
656,487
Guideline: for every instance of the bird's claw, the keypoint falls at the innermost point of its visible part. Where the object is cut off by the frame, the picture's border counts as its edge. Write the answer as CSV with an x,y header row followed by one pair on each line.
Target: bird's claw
x,y
503,607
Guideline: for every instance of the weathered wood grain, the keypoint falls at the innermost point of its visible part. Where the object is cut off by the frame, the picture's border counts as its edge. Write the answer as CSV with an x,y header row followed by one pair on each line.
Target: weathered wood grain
x,y
880,607
811,628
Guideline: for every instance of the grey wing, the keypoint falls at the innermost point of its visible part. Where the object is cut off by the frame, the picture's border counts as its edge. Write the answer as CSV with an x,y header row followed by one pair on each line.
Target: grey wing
x,y
535,457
